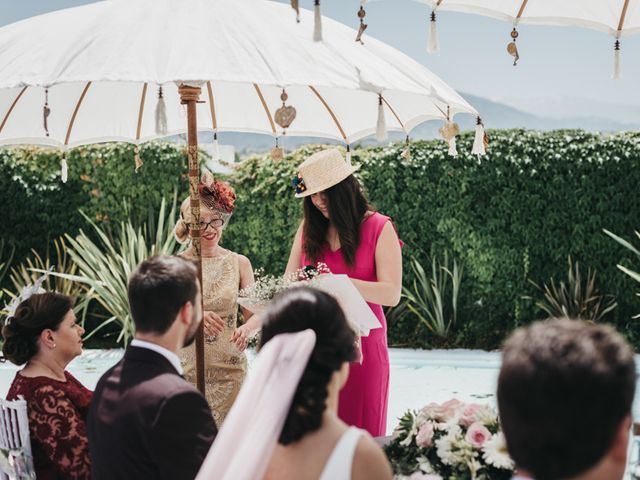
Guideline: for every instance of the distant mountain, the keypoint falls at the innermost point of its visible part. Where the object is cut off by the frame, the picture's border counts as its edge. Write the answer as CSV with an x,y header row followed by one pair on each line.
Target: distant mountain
x,y
494,114
576,107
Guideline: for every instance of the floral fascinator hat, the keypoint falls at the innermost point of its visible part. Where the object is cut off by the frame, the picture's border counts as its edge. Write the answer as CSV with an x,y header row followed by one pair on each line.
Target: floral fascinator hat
x,y
215,195
320,171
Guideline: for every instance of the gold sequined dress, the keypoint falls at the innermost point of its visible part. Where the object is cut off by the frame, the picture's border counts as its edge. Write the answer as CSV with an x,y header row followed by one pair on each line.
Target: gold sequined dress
x,y
225,365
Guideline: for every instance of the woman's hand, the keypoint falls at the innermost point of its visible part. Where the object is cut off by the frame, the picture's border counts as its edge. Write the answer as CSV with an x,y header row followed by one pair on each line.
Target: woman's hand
x,y
213,324
241,336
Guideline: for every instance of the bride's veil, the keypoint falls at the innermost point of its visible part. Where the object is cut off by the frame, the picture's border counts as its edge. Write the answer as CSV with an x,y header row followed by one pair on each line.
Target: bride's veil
x,y
243,447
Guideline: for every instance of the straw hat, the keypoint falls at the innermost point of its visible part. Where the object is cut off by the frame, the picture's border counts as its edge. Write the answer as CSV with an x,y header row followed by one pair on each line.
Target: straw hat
x,y
320,171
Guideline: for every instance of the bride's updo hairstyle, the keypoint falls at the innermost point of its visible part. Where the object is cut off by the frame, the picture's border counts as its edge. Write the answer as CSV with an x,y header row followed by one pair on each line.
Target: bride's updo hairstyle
x,y
37,313
296,310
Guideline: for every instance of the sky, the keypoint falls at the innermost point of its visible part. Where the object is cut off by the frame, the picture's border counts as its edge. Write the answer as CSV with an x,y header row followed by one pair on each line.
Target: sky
x,y
555,63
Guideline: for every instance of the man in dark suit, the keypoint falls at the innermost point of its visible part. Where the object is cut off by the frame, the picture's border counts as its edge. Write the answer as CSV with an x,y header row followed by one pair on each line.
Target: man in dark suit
x,y
145,420
565,393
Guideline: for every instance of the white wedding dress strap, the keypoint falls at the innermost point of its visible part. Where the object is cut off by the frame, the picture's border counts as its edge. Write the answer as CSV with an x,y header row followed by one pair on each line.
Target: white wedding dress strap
x,y
340,462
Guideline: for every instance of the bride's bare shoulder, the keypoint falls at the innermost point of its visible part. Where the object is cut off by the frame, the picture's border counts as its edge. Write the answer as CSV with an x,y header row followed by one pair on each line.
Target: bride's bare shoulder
x,y
369,461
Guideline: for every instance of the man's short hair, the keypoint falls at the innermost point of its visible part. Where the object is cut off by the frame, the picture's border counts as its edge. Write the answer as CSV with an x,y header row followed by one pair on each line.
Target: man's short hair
x,y
158,288
564,388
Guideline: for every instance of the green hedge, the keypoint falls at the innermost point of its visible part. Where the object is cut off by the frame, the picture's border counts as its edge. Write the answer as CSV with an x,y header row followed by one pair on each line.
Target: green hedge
x,y
36,207
511,216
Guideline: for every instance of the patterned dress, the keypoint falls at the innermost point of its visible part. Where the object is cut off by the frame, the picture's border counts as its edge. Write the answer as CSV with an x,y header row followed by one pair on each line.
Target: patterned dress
x,y
57,425
225,365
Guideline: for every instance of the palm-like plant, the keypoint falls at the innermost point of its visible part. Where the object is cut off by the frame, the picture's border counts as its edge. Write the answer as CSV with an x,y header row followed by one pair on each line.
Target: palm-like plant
x,y
30,270
633,274
574,298
6,257
104,266
34,266
429,297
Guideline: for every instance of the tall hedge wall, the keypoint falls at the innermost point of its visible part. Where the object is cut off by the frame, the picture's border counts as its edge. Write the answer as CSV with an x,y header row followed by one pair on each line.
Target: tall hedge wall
x,y
510,217
36,207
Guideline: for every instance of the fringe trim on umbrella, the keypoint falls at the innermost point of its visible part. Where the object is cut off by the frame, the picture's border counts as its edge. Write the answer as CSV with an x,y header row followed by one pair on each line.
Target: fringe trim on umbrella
x,y
480,140
317,23
448,132
617,71
453,150
381,126
433,46
136,157
406,152
64,168
216,147
161,114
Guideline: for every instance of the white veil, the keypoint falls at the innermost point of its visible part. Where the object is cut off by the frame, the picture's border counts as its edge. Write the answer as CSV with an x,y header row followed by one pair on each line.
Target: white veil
x,y
245,443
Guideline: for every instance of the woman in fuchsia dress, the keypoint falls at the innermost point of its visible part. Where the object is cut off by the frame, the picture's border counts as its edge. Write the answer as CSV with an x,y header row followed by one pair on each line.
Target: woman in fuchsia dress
x,y
342,230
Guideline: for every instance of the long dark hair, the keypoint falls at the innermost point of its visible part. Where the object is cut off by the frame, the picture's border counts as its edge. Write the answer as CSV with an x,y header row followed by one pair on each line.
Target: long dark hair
x,y
296,310
37,313
347,206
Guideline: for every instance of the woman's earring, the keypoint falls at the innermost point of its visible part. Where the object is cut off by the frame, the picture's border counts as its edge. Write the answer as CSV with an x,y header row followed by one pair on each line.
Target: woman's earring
x,y
54,346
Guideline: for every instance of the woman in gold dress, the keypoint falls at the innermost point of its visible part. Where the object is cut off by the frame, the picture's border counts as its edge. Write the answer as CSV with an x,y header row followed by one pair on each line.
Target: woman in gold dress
x,y
224,273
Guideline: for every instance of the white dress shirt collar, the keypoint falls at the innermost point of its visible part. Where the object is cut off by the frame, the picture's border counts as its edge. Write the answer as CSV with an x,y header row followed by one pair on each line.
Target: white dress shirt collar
x,y
168,354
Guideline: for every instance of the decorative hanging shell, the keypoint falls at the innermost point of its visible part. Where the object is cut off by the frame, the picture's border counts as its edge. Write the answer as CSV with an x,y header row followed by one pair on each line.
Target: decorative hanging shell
x,y
285,115
363,26
449,130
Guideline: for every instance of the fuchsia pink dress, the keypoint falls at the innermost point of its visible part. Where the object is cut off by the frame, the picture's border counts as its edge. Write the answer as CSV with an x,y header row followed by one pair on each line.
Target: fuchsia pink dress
x,y
363,400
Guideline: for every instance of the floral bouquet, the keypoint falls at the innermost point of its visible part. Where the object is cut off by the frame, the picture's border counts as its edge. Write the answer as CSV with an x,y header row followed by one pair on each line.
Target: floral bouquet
x,y
451,441
255,297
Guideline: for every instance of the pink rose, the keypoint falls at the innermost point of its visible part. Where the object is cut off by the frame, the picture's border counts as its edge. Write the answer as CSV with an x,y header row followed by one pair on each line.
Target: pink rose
x,y
425,435
468,414
477,434
444,412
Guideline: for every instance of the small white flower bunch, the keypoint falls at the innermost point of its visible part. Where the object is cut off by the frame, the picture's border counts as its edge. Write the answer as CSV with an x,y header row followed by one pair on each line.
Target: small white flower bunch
x,y
268,286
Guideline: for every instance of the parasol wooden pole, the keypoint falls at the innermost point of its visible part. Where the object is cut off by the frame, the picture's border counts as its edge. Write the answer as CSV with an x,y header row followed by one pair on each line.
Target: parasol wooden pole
x,y
189,96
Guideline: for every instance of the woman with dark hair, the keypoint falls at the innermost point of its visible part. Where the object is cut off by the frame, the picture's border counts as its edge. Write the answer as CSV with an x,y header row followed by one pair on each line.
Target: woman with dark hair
x,y
314,442
341,229
43,335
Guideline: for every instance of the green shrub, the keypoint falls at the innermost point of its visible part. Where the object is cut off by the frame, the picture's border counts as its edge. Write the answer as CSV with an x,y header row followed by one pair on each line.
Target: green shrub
x,y
511,216
36,207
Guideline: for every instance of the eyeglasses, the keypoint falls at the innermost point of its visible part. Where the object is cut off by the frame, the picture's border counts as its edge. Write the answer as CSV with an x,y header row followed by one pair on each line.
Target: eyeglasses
x,y
214,223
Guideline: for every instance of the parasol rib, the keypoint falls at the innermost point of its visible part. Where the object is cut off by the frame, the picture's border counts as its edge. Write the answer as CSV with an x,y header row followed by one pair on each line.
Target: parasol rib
x,y
75,112
266,108
212,107
333,115
622,16
141,110
521,11
394,113
6,117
